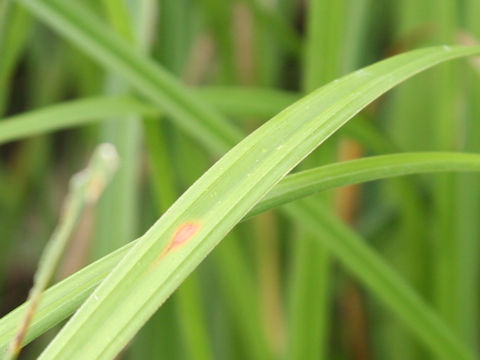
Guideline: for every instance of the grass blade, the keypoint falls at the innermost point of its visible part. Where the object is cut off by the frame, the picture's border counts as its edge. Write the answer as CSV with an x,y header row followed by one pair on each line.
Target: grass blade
x,y
117,211
85,188
62,299
234,101
231,101
201,218
56,11
367,169
14,31
89,33
247,101
310,297
70,114
379,277
447,244
469,195
286,35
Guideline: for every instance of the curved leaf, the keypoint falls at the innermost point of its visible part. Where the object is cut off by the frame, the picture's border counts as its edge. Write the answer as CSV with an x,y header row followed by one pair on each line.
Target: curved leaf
x,y
362,170
70,114
63,299
215,203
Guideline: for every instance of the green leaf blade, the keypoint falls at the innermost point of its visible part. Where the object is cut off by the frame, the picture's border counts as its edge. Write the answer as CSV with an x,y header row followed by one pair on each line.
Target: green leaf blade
x,y
363,170
62,299
218,200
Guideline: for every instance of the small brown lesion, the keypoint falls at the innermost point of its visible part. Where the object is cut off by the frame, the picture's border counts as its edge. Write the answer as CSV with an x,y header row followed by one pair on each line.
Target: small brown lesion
x,y
182,235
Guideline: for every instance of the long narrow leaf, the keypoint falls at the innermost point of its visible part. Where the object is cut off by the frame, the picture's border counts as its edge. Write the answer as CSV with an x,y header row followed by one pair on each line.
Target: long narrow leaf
x,y
70,114
72,20
381,279
61,300
231,101
367,169
164,90
85,188
210,208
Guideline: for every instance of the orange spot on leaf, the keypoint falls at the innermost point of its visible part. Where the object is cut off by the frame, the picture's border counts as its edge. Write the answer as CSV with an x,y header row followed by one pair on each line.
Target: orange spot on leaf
x,y
183,234
180,237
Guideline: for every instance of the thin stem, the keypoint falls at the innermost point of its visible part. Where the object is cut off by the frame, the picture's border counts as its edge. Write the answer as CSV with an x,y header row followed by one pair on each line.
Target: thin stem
x,y
85,189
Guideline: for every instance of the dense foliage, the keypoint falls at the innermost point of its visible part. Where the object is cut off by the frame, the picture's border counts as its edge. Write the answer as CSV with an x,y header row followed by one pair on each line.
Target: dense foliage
x,y
219,101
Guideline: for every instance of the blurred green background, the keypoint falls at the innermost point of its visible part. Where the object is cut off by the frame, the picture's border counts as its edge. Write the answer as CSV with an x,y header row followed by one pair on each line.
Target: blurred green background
x,y
267,291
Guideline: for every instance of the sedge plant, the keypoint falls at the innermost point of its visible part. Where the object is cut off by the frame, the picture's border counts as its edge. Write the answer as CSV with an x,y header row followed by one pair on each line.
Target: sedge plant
x,y
209,179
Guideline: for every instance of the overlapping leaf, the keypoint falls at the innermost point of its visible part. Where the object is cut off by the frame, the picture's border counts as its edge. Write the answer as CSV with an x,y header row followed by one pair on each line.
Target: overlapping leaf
x,y
225,193
178,242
